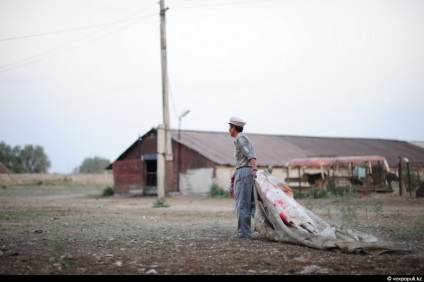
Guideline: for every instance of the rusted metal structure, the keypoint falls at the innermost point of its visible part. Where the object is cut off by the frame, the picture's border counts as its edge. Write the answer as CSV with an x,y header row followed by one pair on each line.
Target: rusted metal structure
x,y
363,171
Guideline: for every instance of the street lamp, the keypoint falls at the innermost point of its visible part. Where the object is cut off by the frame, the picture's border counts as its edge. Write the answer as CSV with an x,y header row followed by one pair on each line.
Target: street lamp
x,y
179,147
179,121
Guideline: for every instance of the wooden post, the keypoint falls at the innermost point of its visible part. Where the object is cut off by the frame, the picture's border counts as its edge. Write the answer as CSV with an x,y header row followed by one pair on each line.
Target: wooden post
x,y
400,176
409,178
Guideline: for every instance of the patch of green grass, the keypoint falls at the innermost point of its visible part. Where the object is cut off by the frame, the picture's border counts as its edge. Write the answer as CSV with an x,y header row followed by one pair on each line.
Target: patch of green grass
x,y
346,203
373,209
218,192
317,193
344,200
52,182
160,203
108,191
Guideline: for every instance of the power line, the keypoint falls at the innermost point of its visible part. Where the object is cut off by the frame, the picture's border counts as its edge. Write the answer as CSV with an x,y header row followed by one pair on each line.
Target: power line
x,y
126,19
49,53
121,21
218,4
65,30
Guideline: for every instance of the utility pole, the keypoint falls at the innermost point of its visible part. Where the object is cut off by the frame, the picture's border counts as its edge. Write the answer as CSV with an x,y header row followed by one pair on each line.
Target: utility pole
x,y
165,100
164,146
161,164
165,149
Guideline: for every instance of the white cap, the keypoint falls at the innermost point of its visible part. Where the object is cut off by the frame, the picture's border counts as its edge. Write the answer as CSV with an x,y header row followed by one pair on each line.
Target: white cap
x,y
237,121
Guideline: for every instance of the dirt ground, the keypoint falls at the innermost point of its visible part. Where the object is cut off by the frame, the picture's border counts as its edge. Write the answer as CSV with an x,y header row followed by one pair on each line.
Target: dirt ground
x,y
64,230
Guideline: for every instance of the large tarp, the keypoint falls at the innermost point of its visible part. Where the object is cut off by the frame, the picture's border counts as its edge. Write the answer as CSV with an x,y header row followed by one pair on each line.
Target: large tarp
x,y
279,217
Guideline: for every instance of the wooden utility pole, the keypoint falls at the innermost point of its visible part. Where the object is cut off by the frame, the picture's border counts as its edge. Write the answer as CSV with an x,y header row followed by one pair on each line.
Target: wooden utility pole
x,y
164,145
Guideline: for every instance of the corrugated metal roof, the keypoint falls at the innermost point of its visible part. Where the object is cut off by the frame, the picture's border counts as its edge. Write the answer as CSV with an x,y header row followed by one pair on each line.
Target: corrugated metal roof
x,y
418,143
277,150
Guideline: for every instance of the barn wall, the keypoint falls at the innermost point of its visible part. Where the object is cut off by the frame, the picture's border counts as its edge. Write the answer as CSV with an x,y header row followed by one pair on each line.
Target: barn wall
x,y
145,146
199,181
190,159
188,165
196,181
128,177
149,145
223,175
219,175
170,177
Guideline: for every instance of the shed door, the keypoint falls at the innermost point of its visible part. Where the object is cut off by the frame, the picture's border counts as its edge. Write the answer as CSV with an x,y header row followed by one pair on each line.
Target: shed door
x,y
150,166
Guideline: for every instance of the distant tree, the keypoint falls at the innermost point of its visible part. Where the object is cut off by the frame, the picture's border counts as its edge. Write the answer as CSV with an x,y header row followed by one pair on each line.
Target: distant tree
x,y
7,156
30,159
93,165
33,160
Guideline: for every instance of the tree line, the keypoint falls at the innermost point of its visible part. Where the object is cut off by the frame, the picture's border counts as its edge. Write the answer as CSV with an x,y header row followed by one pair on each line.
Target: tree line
x,y
33,159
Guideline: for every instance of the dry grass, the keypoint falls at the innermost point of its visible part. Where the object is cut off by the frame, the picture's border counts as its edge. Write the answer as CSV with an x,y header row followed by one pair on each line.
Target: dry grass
x,y
41,178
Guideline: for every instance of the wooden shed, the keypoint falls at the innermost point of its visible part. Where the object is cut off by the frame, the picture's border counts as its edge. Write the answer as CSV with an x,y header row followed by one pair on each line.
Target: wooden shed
x,y
205,158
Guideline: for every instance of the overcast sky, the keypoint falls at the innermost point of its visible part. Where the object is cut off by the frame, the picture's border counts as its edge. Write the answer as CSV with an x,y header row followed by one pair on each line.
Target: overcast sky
x,y
82,78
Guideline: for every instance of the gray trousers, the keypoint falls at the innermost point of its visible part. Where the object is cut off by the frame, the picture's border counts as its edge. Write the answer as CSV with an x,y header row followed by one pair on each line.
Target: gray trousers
x,y
244,199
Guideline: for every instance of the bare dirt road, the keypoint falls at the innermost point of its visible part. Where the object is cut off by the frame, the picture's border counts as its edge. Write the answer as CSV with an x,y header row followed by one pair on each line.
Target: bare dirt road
x,y
64,230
